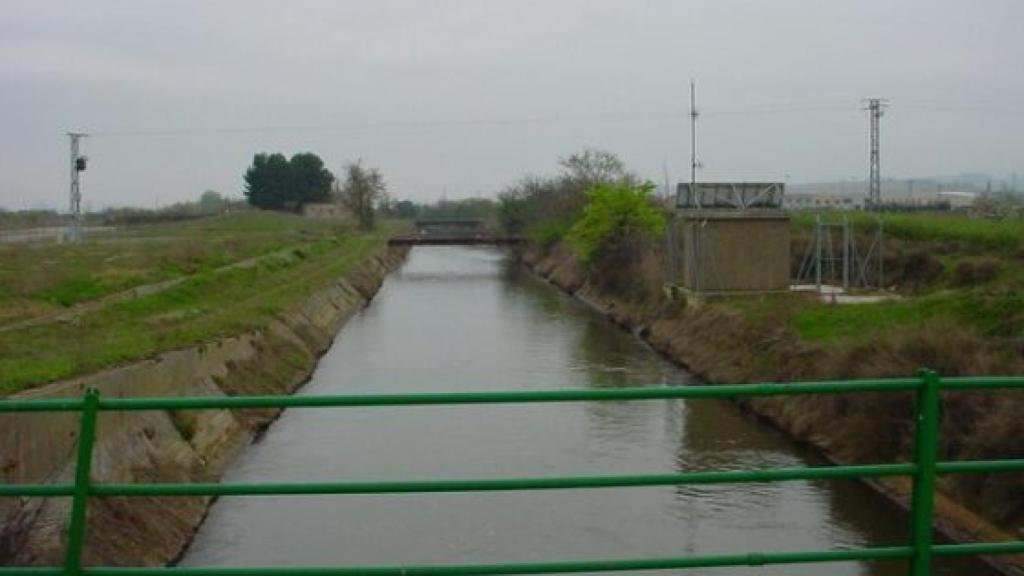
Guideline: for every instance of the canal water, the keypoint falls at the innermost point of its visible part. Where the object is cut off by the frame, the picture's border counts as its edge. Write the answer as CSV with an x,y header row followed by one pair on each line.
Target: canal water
x,y
462,319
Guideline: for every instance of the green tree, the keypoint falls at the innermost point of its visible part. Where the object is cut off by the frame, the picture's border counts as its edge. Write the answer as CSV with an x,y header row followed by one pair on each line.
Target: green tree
x,y
310,181
615,214
273,182
266,181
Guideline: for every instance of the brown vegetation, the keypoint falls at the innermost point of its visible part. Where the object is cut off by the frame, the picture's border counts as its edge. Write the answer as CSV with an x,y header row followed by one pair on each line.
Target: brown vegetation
x,y
754,340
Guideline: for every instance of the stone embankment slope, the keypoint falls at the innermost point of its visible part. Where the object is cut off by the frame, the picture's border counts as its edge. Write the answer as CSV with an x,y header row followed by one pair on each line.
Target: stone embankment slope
x,y
160,446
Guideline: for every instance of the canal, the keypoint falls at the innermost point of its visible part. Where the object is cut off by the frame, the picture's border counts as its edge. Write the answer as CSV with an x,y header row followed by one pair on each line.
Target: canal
x,y
460,319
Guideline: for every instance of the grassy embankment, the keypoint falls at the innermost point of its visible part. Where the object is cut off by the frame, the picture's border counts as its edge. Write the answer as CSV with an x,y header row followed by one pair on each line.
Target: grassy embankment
x,y
235,272
951,270
959,309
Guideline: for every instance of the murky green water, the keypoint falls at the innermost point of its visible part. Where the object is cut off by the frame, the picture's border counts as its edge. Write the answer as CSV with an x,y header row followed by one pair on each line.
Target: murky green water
x,y
459,319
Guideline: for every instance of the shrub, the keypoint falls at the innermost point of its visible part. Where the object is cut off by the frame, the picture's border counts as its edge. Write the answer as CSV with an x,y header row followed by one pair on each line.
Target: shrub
x,y
549,233
970,272
915,270
614,214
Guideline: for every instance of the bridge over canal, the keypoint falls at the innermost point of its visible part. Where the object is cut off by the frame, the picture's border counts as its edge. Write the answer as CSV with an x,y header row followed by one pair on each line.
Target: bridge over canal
x,y
454,232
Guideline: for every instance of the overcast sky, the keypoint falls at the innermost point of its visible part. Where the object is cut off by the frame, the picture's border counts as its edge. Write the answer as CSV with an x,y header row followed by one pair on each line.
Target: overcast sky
x,y
466,96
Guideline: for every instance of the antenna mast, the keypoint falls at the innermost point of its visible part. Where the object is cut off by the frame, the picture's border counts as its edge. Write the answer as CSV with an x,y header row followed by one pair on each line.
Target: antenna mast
x,y
876,106
664,171
693,134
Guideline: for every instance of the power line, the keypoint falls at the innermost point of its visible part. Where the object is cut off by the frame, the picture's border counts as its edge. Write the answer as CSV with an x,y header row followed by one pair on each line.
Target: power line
x,y
413,124
798,108
452,123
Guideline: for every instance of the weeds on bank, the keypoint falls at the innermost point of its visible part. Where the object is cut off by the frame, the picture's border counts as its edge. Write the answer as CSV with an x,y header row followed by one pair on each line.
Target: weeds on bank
x,y
206,306
929,227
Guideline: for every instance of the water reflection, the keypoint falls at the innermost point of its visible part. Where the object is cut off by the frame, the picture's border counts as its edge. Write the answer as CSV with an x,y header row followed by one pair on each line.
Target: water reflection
x,y
466,319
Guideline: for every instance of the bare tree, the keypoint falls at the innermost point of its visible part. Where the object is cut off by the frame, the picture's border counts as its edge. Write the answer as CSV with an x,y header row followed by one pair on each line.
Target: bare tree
x,y
362,191
593,166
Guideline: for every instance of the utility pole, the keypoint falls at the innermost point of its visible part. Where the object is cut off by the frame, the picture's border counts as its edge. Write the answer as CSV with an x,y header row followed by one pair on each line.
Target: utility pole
x,y
78,164
667,192
876,107
670,238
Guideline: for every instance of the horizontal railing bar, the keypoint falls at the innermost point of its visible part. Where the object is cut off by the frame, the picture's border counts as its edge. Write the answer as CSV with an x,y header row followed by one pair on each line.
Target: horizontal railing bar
x,y
518,396
497,484
605,565
31,571
497,397
510,397
38,490
504,484
979,466
42,405
628,564
979,548
981,382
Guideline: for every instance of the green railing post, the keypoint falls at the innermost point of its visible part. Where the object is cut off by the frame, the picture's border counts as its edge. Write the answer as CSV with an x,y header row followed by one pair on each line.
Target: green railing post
x,y
926,448
83,468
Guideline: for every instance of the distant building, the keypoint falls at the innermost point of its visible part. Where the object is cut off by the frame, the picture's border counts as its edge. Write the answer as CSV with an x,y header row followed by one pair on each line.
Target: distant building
x,y
325,211
957,199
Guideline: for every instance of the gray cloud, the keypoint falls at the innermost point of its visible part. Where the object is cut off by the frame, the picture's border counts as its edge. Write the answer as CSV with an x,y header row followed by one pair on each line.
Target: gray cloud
x,y
469,95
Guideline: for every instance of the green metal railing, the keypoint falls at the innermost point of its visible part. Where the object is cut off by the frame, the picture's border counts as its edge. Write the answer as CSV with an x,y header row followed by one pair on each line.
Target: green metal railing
x,y
919,551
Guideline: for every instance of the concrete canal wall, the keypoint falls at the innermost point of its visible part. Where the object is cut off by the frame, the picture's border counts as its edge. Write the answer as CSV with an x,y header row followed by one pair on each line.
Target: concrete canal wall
x,y
159,446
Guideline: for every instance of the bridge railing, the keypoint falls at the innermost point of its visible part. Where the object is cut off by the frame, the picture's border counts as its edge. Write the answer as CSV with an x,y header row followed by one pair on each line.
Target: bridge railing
x,y
923,469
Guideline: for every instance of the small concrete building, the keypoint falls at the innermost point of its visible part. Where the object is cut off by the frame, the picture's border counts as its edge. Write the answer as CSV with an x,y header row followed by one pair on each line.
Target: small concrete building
x,y
325,211
731,239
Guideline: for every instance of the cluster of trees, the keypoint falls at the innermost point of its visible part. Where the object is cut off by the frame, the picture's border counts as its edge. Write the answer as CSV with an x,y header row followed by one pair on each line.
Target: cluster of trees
x,y
594,202
482,208
548,208
274,182
999,205
209,203
548,205
29,218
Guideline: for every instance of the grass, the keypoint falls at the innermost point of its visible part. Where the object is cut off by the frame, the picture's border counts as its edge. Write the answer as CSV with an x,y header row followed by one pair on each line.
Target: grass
x,y
827,323
959,271
210,303
937,227
36,279
76,290
997,313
